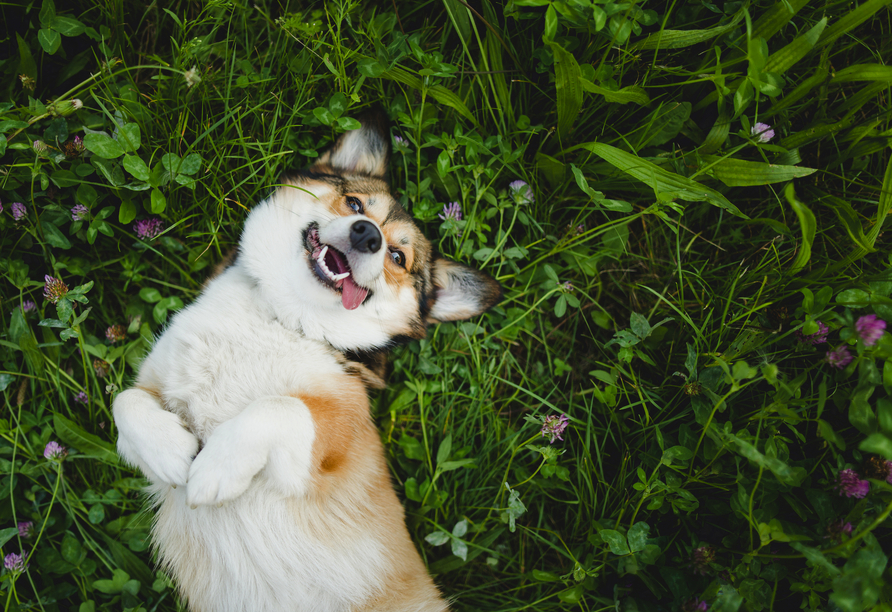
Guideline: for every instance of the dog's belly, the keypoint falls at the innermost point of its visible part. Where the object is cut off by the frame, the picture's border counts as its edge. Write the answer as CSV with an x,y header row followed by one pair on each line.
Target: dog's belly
x,y
265,553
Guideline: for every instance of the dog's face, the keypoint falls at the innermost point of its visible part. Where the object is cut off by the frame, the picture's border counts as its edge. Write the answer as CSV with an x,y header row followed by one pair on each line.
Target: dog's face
x,y
338,258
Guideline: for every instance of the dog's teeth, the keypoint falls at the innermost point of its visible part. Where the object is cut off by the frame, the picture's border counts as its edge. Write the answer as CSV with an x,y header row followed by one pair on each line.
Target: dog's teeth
x,y
338,277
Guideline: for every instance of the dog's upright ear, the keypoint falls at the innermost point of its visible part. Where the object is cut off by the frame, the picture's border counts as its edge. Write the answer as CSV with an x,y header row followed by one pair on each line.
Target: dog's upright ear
x,y
461,292
363,151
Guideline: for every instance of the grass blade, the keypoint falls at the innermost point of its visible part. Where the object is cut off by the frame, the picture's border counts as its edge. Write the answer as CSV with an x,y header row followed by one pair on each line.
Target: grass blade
x,y
660,180
853,19
437,92
679,39
632,93
742,173
782,60
808,223
863,72
777,17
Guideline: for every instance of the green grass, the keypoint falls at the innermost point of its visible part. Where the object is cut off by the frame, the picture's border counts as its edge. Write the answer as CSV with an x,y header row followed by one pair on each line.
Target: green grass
x,y
697,417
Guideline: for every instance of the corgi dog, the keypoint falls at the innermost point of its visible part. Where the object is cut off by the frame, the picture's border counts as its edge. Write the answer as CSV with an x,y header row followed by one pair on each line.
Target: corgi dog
x,y
250,416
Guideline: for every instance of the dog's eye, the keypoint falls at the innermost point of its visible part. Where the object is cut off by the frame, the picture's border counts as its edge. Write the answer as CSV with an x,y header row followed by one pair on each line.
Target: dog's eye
x,y
398,258
355,204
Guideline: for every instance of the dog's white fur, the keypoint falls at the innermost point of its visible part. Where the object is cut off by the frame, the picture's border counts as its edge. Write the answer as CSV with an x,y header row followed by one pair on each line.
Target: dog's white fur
x,y
251,523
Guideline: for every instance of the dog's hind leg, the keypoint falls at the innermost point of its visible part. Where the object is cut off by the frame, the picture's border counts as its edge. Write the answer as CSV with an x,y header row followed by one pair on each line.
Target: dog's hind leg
x,y
273,433
152,438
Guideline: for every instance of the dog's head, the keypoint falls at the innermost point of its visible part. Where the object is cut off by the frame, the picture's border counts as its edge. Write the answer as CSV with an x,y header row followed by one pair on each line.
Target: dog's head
x,y
337,257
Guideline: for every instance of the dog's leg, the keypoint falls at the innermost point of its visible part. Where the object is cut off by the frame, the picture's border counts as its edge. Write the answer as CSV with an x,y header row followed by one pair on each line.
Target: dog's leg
x,y
153,439
273,433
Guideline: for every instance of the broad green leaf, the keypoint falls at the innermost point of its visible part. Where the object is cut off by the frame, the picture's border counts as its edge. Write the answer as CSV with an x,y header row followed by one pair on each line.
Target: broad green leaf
x,y
551,24
437,538
171,162
412,491
348,123
573,595
102,145
860,584
71,549
637,536
757,593
412,447
678,39
863,72
67,26
582,183
825,430
787,57
718,134
784,473
615,540
640,326
191,164
537,575
7,534
816,557
64,178
459,549
129,137
337,104
677,454
370,68
73,435
27,65
877,443
54,235
632,93
127,212
115,585
445,449
47,13
568,79
11,124
660,180
807,223
150,295
742,173
158,202
112,171
50,40
137,167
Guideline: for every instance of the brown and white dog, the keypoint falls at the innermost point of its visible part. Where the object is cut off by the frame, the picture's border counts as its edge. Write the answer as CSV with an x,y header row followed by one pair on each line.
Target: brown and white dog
x,y
251,420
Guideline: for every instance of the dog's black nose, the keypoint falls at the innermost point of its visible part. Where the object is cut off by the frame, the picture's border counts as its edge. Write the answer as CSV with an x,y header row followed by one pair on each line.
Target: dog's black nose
x,y
365,237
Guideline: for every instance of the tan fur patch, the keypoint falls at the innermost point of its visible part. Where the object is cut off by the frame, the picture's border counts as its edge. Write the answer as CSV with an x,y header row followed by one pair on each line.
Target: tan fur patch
x,y
335,412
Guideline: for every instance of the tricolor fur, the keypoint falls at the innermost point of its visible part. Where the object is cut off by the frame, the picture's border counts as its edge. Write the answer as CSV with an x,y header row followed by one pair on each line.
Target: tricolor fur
x,y
250,415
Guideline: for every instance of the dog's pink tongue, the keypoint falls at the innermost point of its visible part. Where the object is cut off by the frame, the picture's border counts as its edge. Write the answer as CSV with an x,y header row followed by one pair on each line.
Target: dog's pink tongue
x,y
352,294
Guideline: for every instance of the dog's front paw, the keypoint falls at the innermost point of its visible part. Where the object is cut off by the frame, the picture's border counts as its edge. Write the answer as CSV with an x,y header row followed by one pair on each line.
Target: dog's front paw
x,y
153,439
168,463
224,468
